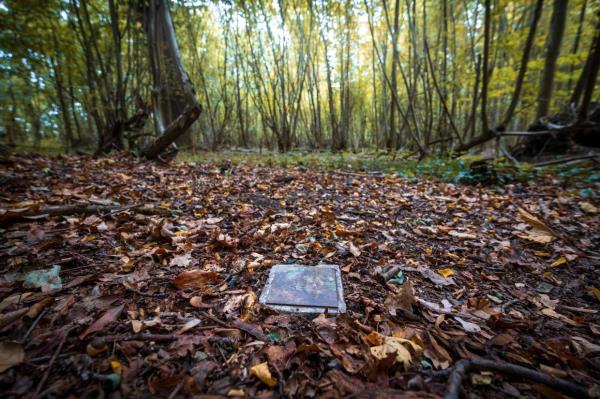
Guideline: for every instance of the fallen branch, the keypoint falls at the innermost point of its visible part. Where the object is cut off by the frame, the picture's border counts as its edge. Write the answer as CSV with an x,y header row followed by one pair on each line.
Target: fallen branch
x,y
98,342
52,361
463,367
10,216
240,325
594,157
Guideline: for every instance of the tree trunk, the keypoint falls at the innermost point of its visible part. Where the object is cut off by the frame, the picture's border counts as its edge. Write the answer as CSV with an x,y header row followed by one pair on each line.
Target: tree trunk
x,y
523,68
173,90
557,28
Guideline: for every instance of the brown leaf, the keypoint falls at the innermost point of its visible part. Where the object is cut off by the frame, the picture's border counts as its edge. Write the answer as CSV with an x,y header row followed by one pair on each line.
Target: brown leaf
x,y
108,317
403,300
11,354
196,279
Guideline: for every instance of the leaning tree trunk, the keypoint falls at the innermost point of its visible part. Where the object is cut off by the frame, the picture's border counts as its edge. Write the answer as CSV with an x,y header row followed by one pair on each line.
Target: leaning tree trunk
x,y
174,102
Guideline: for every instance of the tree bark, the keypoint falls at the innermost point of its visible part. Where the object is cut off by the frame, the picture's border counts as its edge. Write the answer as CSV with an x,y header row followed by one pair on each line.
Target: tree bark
x,y
173,90
537,13
557,28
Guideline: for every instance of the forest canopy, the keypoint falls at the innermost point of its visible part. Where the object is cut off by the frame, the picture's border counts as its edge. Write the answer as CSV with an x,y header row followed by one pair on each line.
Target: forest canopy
x,y
421,75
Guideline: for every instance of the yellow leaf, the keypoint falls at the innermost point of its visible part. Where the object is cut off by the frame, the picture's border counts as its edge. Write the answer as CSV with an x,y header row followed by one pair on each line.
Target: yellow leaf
x,y
375,339
596,292
548,276
262,372
446,272
93,351
116,367
396,345
560,261
236,393
88,238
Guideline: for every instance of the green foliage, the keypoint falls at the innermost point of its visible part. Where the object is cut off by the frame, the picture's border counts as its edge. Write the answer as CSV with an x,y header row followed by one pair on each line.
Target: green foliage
x,y
468,169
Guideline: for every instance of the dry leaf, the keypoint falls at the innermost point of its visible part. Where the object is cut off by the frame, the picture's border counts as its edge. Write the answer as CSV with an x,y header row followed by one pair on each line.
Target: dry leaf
x,y
108,317
396,345
540,232
587,207
560,261
195,279
403,300
552,313
446,272
137,326
196,301
188,326
181,260
596,292
353,249
262,372
375,338
11,354
467,325
464,236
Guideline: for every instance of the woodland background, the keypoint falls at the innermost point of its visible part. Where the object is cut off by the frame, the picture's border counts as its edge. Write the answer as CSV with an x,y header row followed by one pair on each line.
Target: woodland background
x,y
419,75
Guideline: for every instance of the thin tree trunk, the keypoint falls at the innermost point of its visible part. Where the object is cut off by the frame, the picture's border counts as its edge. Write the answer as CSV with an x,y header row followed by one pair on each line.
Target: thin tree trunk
x,y
537,12
557,28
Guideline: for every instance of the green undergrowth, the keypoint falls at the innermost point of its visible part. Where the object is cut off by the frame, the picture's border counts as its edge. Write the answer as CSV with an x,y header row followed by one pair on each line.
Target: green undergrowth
x,y
468,169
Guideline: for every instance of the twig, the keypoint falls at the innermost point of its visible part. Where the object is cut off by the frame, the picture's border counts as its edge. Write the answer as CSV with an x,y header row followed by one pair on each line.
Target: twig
x,y
99,341
239,324
35,322
464,366
56,353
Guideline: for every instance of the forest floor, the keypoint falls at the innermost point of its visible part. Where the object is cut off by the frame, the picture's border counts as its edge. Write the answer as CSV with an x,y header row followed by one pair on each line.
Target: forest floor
x,y
147,285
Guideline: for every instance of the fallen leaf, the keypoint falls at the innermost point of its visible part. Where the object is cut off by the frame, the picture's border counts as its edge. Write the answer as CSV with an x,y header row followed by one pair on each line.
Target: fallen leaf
x,y
375,339
540,232
196,301
188,326
445,272
560,261
11,354
435,277
353,249
396,345
467,325
108,317
136,326
181,260
236,393
587,207
195,279
402,300
596,292
262,372
461,235
552,313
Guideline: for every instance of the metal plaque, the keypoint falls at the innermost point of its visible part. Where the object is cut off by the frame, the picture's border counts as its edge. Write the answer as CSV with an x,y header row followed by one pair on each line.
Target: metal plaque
x,y
305,289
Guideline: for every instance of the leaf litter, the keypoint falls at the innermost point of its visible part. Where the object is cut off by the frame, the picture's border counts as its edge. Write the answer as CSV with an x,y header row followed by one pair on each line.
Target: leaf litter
x,y
156,293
